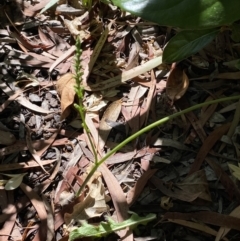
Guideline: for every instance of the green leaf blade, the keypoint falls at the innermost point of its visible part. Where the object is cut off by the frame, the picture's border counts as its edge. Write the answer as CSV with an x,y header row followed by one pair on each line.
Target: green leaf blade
x,y
185,14
105,228
49,5
14,182
187,43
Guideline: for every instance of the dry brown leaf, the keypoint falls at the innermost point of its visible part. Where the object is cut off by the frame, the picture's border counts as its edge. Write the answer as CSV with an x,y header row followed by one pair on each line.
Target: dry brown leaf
x,y
135,191
23,165
27,43
183,104
65,88
9,100
94,132
223,231
229,185
95,55
227,75
148,100
30,9
62,58
198,226
95,102
50,219
119,200
74,27
44,37
176,193
32,150
39,206
7,138
133,56
26,103
111,113
177,84
235,123
208,217
196,183
207,146
93,205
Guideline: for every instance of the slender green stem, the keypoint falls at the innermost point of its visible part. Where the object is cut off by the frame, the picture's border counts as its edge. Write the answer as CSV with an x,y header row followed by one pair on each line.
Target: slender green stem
x,y
148,128
80,93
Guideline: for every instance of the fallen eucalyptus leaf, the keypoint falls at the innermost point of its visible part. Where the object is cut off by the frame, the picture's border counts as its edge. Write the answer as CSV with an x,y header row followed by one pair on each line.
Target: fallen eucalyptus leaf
x,y
14,182
65,88
177,84
93,205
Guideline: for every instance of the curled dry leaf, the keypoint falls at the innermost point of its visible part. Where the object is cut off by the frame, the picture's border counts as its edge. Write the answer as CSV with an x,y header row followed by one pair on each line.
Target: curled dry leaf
x,y
65,88
177,84
95,102
93,205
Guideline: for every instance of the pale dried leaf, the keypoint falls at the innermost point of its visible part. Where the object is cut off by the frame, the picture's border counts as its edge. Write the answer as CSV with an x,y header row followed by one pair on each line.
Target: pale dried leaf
x,y
95,102
26,103
62,58
125,76
112,112
65,88
93,205
177,84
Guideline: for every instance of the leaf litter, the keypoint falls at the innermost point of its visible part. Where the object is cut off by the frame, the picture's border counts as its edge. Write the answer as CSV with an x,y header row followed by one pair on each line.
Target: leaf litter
x,y
185,172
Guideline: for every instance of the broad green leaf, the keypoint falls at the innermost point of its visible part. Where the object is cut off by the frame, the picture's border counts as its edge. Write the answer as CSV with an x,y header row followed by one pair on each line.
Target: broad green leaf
x,y
185,14
49,5
105,228
14,182
187,43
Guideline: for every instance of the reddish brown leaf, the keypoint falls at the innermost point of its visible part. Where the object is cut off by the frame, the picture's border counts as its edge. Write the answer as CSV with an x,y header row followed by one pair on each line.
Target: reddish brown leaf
x,y
134,192
207,217
183,104
207,146
177,193
118,198
226,181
